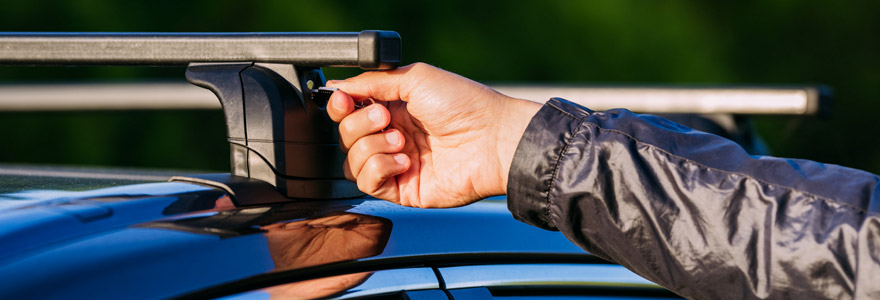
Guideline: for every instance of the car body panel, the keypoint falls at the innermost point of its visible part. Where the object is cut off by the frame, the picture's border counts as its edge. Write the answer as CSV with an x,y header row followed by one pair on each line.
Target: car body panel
x,y
172,239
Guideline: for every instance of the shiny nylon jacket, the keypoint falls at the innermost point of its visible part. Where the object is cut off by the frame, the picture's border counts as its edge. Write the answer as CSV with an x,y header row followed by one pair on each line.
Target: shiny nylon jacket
x,y
695,213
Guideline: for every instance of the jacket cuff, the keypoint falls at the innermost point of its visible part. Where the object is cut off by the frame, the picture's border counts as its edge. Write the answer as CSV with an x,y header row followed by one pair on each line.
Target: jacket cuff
x,y
537,158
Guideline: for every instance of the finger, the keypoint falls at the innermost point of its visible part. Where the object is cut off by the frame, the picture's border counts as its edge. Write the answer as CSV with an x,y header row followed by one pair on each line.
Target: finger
x,y
377,176
361,123
340,106
390,141
386,85
346,169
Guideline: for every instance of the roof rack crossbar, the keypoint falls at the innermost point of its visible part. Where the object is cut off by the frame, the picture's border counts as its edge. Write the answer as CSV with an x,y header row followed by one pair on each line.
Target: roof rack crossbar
x,y
366,49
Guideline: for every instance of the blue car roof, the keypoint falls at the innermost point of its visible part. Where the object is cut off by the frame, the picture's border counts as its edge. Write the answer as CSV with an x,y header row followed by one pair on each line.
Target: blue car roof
x,y
172,238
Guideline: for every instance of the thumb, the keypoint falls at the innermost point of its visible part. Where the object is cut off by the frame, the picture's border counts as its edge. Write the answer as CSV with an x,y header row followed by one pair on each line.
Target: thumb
x,y
389,85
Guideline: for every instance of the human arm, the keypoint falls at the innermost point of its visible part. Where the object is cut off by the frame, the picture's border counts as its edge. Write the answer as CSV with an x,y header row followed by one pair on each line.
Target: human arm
x,y
688,210
694,212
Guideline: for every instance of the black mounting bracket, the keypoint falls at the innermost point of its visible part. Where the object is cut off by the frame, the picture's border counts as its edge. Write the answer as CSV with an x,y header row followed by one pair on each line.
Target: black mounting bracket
x,y
277,131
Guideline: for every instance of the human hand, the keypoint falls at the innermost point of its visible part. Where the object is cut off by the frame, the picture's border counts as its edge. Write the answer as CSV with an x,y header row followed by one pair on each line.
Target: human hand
x,y
448,141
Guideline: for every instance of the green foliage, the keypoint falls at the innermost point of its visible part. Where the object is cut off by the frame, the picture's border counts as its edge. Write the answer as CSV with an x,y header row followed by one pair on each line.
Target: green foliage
x,y
626,41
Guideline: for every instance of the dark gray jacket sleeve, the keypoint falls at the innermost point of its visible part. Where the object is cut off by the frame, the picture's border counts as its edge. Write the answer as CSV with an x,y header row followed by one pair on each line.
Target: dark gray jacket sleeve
x,y
695,213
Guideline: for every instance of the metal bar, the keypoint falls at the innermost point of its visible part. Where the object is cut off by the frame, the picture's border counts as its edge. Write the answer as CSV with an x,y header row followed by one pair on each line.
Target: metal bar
x,y
805,100
171,95
114,96
366,49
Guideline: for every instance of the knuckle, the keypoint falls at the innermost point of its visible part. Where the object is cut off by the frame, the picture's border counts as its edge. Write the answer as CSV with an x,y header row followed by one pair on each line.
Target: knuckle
x,y
419,65
346,128
363,146
372,164
346,145
362,185
353,167
349,177
346,170
366,184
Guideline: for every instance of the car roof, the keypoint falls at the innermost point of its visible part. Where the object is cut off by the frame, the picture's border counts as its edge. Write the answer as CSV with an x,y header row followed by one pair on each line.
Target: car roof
x,y
175,238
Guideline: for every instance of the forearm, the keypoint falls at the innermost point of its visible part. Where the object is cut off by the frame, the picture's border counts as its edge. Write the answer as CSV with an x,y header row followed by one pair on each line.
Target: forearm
x,y
693,211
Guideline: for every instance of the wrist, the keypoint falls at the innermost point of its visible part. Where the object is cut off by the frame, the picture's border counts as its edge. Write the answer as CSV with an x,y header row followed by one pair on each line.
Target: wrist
x,y
515,117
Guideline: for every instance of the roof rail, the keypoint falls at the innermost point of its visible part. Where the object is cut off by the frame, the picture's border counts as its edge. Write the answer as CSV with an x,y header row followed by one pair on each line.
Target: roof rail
x,y
806,100
157,95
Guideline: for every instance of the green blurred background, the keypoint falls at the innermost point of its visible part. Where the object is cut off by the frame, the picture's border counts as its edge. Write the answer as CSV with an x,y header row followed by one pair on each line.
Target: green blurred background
x,y
656,42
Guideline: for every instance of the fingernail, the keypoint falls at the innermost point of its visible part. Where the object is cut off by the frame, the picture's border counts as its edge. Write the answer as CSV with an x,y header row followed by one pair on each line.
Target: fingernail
x,y
375,115
392,138
400,158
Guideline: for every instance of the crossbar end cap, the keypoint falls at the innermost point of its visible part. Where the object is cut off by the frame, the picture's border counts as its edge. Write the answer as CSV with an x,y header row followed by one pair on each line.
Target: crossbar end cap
x,y
378,50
